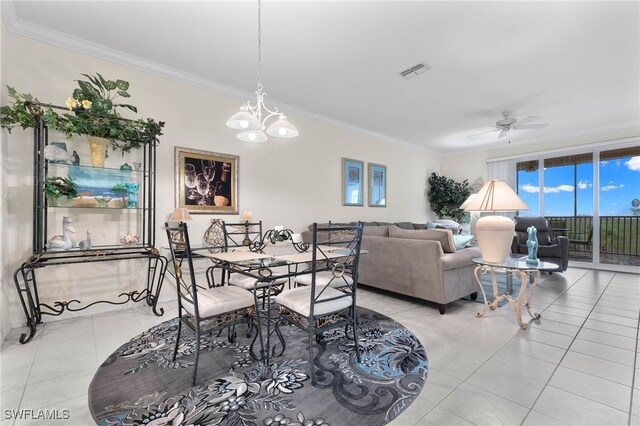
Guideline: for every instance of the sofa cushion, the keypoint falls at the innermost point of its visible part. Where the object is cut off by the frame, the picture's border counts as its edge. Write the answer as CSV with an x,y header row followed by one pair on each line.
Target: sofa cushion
x,y
419,226
459,259
553,250
370,223
443,236
461,241
385,224
376,231
404,225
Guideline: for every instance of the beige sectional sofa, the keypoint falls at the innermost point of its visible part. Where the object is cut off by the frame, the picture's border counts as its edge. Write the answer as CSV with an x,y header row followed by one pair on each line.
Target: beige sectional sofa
x,y
421,263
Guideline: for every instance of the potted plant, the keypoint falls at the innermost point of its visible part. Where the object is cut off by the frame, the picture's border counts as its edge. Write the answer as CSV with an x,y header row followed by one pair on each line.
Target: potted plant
x,y
446,196
60,190
95,114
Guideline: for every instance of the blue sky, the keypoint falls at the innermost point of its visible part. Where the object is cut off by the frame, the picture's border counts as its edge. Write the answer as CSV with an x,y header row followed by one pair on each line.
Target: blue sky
x,y
619,185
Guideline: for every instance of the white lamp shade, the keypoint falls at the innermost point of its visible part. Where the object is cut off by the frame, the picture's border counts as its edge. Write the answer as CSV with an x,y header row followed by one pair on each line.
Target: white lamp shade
x,y
180,215
496,196
467,201
281,128
247,215
244,120
253,136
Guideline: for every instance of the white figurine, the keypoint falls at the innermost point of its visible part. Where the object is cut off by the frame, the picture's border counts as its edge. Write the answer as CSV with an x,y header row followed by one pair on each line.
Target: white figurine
x,y
58,154
65,241
86,244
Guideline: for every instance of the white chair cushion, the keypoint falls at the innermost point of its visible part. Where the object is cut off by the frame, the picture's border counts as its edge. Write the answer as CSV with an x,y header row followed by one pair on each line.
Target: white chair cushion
x,y
219,300
325,277
248,283
299,300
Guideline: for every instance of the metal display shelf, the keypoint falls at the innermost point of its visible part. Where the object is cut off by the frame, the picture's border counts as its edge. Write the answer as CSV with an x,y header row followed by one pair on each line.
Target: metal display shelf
x,y
25,276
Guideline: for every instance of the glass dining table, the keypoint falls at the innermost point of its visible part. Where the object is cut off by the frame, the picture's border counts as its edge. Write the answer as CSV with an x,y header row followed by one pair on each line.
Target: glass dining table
x,y
268,264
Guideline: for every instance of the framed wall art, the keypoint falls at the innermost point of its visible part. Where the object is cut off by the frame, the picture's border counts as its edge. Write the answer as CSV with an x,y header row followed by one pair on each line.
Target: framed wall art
x,y
206,182
352,182
377,185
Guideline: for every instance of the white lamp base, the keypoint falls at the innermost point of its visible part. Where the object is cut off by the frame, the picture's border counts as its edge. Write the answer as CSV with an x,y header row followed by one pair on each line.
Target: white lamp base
x,y
494,234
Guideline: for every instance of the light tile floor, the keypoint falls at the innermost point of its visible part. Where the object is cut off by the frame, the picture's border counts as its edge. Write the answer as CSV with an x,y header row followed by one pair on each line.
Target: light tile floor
x,y
580,364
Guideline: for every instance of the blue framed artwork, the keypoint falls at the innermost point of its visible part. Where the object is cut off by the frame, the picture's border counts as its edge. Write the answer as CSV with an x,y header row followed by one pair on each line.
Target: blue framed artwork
x,y
377,185
352,182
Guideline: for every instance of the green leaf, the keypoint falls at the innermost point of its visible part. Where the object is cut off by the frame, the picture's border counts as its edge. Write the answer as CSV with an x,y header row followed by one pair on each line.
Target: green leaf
x,y
124,94
110,85
130,107
122,85
93,80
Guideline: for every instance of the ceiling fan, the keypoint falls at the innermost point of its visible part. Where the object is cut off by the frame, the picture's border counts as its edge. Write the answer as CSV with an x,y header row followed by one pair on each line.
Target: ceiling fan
x,y
509,123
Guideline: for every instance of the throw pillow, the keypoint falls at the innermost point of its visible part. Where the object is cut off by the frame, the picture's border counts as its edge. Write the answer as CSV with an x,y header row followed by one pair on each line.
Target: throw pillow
x,y
461,241
443,236
376,231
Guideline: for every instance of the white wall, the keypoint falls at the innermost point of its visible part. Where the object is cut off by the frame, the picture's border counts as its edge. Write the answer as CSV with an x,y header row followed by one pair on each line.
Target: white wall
x,y
5,325
473,165
285,182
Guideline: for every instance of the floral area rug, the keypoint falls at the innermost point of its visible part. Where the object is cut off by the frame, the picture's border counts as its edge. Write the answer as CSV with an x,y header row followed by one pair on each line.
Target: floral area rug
x,y
140,384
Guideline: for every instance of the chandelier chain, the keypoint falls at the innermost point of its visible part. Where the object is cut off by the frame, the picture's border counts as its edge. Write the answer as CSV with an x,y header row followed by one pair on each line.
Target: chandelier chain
x,y
259,46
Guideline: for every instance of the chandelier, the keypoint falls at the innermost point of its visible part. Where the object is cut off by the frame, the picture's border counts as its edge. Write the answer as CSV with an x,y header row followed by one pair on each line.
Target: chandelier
x,y
250,121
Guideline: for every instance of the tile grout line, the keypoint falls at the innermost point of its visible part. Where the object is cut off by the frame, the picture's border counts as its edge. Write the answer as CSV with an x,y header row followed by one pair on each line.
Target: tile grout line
x,y
568,347
633,372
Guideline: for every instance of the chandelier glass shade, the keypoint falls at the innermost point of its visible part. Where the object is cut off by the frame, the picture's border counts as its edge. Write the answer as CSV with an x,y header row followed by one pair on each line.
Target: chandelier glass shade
x,y
251,120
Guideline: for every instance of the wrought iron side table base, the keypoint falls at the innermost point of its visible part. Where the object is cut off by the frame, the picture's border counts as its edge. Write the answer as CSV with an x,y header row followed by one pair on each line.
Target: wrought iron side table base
x,y
25,280
516,304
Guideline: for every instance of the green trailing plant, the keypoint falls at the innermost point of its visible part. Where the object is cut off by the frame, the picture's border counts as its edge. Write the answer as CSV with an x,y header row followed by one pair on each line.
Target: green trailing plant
x,y
56,187
446,196
94,113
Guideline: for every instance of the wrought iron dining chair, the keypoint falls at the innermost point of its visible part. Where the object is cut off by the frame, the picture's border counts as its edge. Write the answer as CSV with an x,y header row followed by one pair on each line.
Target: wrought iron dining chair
x,y
205,310
249,234
320,306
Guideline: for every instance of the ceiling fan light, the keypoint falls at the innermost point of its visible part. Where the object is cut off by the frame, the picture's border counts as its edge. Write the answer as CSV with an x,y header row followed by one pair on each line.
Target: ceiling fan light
x,y
244,120
253,136
281,128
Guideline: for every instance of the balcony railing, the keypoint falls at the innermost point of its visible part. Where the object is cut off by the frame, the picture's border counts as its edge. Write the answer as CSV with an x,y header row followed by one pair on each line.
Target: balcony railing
x,y
619,236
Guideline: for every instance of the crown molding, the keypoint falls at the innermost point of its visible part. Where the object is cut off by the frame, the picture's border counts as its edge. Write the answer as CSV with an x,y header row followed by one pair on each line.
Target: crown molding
x,y
25,29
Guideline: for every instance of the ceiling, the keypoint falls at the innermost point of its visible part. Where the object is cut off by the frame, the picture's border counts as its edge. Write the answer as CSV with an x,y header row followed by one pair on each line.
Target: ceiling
x,y
576,64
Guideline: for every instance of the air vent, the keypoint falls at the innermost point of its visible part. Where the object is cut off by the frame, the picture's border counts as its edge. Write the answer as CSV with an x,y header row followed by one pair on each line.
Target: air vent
x,y
415,70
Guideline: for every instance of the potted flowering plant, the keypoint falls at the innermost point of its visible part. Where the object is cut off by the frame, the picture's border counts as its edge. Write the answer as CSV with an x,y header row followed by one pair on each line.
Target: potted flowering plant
x,y
95,114
60,190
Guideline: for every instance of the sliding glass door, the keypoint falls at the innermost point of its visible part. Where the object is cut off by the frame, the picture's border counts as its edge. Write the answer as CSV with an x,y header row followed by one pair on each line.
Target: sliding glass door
x,y
619,206
597,208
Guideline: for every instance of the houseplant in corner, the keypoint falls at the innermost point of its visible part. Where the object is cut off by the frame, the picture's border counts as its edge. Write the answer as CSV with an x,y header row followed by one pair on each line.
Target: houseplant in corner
x,y
446,196
95,114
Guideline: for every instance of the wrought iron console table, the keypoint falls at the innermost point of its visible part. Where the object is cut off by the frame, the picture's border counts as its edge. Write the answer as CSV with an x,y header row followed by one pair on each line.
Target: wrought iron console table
x,y
26,284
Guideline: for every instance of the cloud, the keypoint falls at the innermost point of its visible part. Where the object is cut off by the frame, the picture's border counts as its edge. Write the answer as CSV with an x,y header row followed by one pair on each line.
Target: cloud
x,y
530,188
603,163
547,189
612,187
633,164
559,188
584,184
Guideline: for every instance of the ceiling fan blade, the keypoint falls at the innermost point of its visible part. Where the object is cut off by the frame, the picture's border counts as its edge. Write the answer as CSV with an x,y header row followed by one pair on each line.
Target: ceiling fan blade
x,y
483,133
504,132
530,126
528,119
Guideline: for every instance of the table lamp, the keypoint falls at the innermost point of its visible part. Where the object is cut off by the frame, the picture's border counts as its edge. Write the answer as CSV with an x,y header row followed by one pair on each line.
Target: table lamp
x,y
472,215
246,217
180,215
495,233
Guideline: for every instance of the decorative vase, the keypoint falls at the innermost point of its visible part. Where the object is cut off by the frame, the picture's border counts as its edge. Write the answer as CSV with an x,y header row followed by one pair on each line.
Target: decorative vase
x,y
98,150
62,201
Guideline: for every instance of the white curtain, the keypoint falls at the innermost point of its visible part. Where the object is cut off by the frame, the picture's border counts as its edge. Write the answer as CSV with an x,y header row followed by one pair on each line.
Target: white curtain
x,y
505,170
